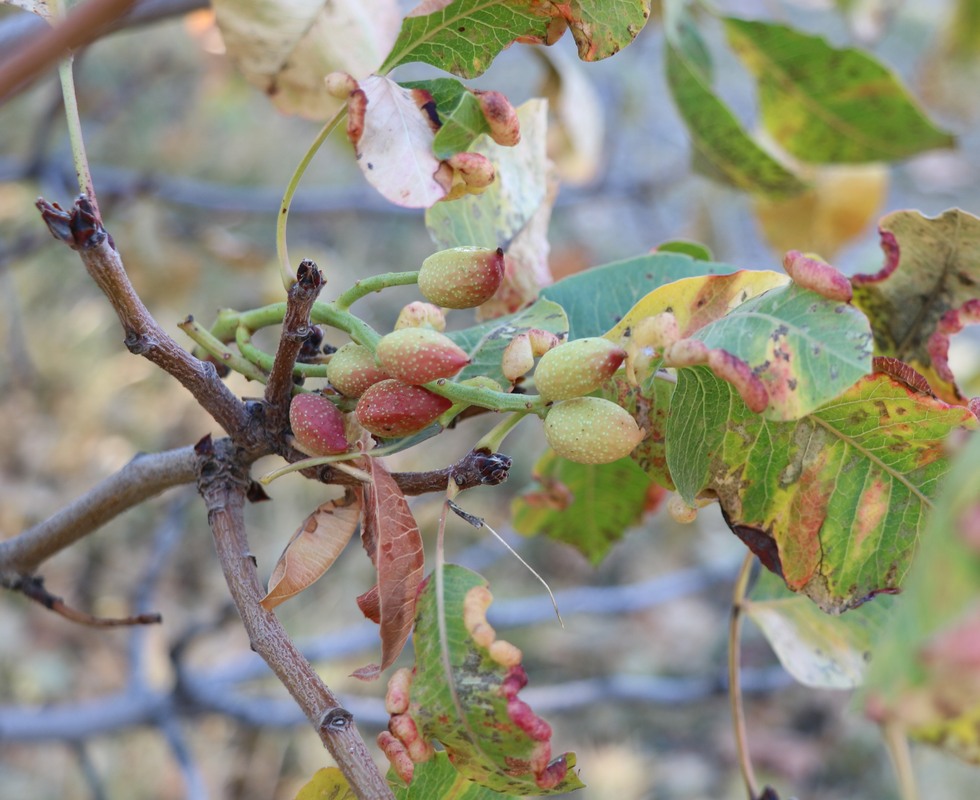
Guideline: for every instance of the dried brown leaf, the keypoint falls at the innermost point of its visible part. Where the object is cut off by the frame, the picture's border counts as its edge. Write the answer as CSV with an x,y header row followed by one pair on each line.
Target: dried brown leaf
x,y
313,548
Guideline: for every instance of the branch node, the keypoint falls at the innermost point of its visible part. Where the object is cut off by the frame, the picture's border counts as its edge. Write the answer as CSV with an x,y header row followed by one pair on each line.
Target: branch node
x,y
335,719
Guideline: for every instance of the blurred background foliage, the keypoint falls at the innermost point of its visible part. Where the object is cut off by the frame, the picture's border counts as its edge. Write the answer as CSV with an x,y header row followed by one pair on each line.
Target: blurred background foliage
x,y
190,163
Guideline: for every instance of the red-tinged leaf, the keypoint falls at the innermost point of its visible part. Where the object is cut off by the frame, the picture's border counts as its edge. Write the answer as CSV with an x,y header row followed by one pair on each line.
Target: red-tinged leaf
x,y
313,548
464,694
437,779
834,502
464,36
370,604
392,132
394,544
927,290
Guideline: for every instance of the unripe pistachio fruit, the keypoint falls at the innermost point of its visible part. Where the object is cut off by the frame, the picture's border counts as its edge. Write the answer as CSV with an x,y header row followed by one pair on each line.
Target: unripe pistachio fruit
x,y
577,367
462,277
392,408
420,355
352,369
318,425
421,315
591,430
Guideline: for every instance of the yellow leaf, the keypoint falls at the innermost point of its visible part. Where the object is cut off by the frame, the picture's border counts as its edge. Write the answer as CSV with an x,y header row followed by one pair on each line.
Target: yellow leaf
x,y
327,784
695,302
840,205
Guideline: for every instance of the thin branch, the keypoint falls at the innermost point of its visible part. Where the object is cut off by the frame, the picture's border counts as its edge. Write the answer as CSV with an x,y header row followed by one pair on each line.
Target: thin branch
x,y
295,329
224,485
144,477
195,787
734,679
33,588
35,55
83,231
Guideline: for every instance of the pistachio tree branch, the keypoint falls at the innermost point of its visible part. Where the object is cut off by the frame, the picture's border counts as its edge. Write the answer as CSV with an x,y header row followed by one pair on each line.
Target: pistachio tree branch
x,y
144,477
295,328
82,230
223,485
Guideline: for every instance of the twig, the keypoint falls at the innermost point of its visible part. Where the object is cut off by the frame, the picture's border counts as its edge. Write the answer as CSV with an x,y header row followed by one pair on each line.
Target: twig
x,y
898,748
295,328
83,231
734,681
142,478
33,588
223,485
195,787
38,53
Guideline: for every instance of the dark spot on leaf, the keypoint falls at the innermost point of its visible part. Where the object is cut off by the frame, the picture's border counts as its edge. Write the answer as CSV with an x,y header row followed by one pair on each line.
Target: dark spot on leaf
x,y
370,165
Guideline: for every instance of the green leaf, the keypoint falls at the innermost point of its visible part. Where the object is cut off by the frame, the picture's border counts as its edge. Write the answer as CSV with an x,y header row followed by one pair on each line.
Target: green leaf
x,y
485,343
836,501
437,779
817,649
924,675
804,348
465,36
598,298
496,216
459,111
589,506
696,250
717,135
467,700
928,289
826,104
650,406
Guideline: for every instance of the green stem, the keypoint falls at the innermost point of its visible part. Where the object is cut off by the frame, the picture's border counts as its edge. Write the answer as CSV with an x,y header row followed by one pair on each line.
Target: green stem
x,y
488,398
281,251
734,677
898,748
264,360
215,347
374,284
495,437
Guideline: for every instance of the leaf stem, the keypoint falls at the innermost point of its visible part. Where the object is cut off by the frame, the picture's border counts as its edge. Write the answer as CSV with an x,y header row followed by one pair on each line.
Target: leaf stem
x,y
898,748
281,251
734,679
216,348
495,437
375,283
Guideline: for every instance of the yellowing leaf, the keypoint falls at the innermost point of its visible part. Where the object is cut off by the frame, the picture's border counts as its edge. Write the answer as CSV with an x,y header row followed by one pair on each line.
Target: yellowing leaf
x,y
393,141
313,548
695,302
287,47
837,208
926,674
327,783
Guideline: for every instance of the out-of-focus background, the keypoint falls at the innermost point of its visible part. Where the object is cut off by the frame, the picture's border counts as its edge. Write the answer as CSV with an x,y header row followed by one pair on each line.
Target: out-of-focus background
x,y
190,163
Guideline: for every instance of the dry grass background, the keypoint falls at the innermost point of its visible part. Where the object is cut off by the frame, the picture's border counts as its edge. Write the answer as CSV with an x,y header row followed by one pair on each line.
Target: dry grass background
x,y
76,406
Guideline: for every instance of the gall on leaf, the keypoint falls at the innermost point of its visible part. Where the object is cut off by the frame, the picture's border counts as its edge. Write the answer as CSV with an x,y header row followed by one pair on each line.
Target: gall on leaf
x,y
313,549
392,540
421,315
518,358
464,695
818,276
501,116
